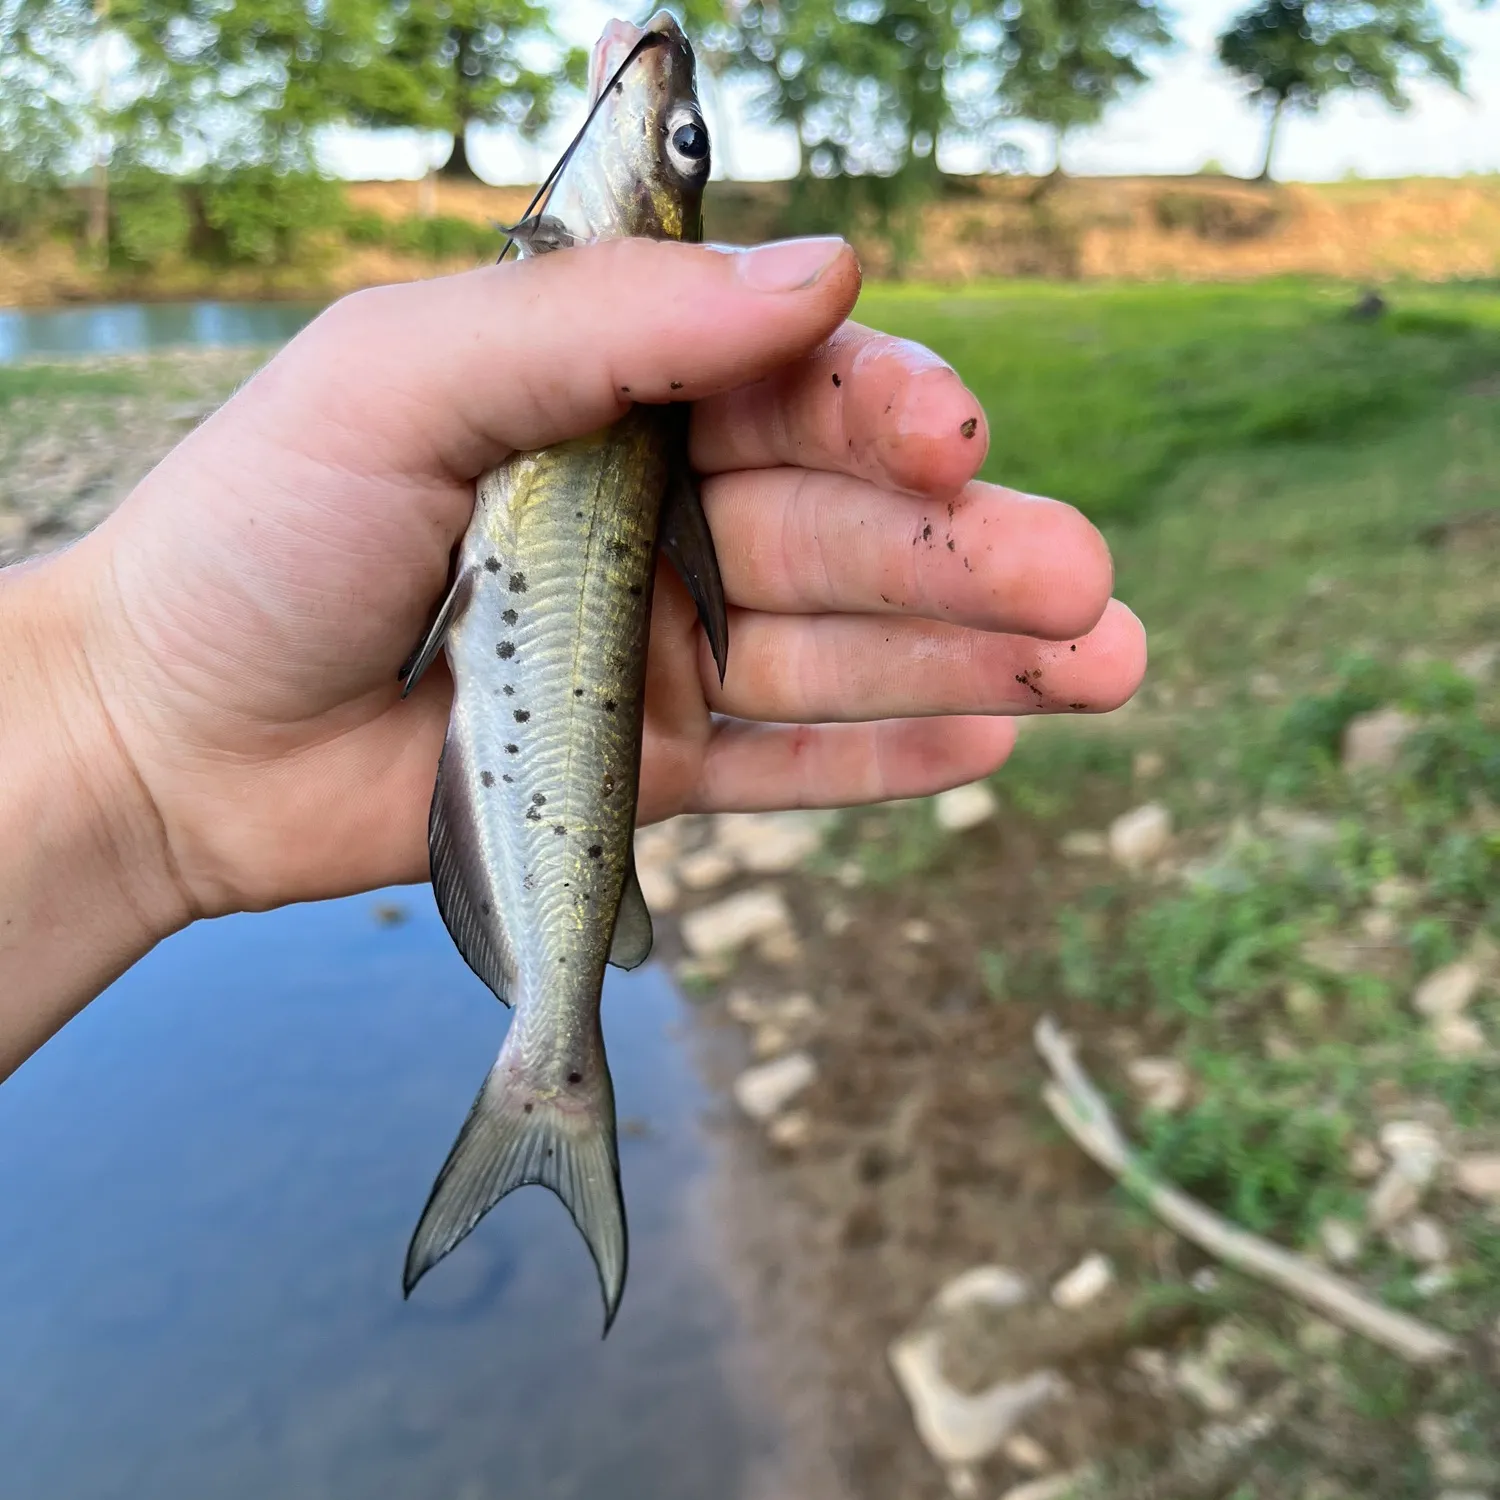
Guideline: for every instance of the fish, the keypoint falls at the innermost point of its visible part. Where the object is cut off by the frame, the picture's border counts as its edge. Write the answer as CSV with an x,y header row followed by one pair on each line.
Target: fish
x,y
545,630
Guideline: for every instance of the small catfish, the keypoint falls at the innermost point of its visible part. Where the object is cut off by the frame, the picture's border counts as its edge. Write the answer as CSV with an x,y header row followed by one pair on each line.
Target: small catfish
x,y
545,628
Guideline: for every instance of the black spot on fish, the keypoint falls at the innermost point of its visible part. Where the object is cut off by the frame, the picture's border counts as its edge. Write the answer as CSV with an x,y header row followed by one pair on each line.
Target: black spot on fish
x,y
492,565
528,1108
532,815
487,777
595,851
675,384
512,749
522,714
836,380
510,617
485,907
517,584
610,705
539,798
577,515
969,427
578,692
506,776
609,786
505,650
575,1077
509,691
635,590
618,547
559,830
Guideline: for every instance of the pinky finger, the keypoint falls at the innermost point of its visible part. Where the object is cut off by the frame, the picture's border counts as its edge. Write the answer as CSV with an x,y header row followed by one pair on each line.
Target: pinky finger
x,y
766,767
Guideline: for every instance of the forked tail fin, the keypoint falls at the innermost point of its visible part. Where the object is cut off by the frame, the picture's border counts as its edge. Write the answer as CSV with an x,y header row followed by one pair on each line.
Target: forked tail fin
x,y
516,1134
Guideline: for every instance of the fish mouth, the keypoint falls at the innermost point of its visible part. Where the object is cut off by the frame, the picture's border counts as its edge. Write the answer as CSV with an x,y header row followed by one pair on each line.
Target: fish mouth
x,y
619,37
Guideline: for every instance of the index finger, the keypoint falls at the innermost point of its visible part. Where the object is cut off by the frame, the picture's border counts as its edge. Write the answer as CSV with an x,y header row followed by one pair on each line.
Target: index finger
x,y
863,403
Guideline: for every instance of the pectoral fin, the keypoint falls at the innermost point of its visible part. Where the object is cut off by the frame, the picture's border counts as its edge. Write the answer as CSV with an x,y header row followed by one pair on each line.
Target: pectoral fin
x,y
633,936
426,653
687,541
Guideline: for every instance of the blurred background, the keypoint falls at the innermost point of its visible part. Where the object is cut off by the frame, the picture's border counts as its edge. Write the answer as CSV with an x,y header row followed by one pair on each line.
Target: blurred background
x,y
1229,280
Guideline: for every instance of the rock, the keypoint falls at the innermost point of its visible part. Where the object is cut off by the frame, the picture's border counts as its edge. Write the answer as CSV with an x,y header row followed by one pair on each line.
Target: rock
x,y
964,807
1373,741
1448,991
1148,765
1478,1175
769,843
1303,1000
1457,1036
1055,1487
1433,1282
728,925
1413,1148
1320,1338
1155,1368
837,920
1200,1383
1161,1082
1205,1280
1421,1239
963,1483
1342,1241
982,1286
1085,1283
658,887
1452,1464
1140,837
1365,1161
1026,1453
916,930
1083,843
703,869
389,913
790,1132
850,875
1379,925
767,1089
779,947
1396,893
1479,663
1394,1197
770,1040
954,1427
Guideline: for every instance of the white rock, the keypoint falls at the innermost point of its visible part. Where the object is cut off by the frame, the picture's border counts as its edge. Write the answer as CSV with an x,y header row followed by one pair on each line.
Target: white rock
x,y
958,1428
658,887
1365,1161
1448,991
837,920
1026,1453
767,1089
963,1483
1379,925
1457,1036
770,1040
1055,1487
1148,765
1342,1241
1205,1280
1373,741
1395,892
1433,1282
1155,1367
769,843
1162,1082
982,1286
916,930
790,1132
1393,1198
1215,1393
1140,837
728,925
1422,1239
790,1011
964,807
1085,1283
1083,843
703,869
781,946
1478,664
1478,1175
850,874
1413,1148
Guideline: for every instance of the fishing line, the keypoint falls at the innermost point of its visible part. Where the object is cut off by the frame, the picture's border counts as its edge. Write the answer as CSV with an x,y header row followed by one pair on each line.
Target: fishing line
x,y
650,39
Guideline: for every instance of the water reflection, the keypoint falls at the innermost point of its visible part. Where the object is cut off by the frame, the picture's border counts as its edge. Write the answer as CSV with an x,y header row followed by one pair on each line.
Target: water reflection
x,y
206,1185
130,327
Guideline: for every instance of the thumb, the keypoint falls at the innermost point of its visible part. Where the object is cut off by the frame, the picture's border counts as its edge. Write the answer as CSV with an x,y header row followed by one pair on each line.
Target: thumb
x,y
452,374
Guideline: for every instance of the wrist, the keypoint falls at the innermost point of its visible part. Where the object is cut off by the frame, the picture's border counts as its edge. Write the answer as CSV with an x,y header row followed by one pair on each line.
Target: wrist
x,y
86,883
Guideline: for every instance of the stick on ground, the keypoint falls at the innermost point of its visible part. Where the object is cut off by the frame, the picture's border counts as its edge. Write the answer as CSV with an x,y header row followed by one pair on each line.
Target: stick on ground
x,y
1081,1110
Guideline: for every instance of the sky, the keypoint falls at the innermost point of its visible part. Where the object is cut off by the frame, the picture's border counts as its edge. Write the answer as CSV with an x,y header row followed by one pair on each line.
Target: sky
x,y
1191,113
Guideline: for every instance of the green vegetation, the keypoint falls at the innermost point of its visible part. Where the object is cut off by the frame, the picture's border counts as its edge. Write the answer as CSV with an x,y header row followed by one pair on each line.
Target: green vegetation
x,y
1305,510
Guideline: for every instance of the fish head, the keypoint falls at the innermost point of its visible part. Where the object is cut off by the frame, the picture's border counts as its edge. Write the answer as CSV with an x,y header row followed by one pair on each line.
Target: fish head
x,y
642,161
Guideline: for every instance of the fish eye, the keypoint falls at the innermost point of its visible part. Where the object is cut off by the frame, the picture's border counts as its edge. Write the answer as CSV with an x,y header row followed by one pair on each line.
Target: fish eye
x,y
687,144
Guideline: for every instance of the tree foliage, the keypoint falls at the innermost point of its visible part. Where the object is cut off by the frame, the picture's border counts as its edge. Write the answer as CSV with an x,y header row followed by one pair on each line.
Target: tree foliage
x,y
1297,53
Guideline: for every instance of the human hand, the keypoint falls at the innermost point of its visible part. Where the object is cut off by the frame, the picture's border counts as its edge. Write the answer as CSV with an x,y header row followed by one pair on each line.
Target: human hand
x,y
249,604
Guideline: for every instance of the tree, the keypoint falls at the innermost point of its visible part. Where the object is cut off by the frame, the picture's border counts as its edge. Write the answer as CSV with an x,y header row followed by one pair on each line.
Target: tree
x,y
448,64
1296,53
1062,63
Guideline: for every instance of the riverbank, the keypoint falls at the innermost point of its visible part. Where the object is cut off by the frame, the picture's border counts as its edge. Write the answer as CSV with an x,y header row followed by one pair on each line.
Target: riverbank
x,y
1082,229
1263,898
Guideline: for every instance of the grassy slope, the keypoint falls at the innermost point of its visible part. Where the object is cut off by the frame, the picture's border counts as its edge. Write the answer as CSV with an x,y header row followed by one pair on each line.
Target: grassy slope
x,y
1302,510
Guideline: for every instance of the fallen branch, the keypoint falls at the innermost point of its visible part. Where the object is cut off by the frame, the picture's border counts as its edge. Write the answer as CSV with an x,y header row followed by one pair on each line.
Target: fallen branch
x,y
1081,1110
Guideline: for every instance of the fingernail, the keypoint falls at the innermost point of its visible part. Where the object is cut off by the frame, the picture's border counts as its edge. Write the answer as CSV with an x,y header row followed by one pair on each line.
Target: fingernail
x,y
789,265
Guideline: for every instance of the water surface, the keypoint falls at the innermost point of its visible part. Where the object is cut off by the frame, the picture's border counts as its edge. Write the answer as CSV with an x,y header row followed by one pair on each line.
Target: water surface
x,y
206,1187
134,327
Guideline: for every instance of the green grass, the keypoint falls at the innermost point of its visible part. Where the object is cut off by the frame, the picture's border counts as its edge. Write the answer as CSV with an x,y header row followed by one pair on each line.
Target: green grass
x,y
1099,394
60,382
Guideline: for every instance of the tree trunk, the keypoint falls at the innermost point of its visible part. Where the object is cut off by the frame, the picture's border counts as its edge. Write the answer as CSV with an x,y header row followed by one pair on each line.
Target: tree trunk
x,y
1057,144
457,164
1271,125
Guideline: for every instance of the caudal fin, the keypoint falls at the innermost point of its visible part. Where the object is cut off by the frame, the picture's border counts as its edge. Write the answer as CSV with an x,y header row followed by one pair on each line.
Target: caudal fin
x,y
513,1137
